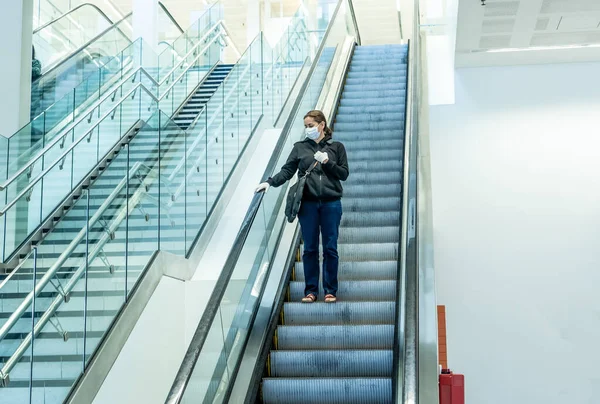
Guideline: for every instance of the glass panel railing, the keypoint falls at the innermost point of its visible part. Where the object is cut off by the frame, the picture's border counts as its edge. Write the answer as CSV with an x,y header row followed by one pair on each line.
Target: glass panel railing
x,y
187,41
85,144
219,349
44,11
70,68
35,195
168,28
155,194
112,79
90,76
66,34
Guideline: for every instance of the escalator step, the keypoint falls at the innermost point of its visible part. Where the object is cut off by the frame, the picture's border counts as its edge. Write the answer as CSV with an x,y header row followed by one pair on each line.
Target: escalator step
x,y
383,135
383,93
359,144
362,102
372,116
366,177
370,126
382,234
392,106
372,270
327,390
366,252
375,167
309,337
350,363
388,154
371,205
369,219
373,191
353,291
339,313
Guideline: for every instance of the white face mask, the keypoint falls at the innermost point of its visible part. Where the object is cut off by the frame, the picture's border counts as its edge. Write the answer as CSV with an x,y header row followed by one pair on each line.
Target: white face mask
x,y
312,133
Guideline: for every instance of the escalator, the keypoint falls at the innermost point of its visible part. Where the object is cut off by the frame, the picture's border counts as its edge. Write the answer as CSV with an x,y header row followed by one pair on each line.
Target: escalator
x,y
342,353
256,342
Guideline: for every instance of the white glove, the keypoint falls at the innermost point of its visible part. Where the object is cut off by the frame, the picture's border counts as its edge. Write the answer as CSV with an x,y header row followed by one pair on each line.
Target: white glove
x,y
263,187
321,157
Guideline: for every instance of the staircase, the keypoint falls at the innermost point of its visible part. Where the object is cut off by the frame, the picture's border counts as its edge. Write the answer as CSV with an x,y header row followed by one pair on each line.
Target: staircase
x,y
342,353
196,103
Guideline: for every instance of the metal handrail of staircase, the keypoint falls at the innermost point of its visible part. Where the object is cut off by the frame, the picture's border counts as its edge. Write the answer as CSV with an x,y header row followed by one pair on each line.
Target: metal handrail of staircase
x,y
229,39
168,13
110,94
184,374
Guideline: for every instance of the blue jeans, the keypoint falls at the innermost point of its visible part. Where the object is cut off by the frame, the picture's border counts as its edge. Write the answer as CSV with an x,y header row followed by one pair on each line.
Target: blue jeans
x,y
325,216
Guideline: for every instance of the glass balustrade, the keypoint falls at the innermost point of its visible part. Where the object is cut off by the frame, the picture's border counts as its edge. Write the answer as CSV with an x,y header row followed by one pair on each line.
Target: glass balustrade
x,y
155,194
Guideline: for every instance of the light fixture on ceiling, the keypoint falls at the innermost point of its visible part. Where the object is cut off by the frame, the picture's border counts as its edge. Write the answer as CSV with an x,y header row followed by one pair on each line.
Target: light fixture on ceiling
x,y
483,2
537,48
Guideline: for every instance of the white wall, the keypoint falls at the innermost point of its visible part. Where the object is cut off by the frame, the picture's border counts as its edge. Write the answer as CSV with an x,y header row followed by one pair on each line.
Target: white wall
x,y
516,196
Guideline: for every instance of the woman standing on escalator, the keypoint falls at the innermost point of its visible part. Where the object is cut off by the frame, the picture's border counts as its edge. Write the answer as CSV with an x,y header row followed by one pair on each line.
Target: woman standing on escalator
x,y
321,209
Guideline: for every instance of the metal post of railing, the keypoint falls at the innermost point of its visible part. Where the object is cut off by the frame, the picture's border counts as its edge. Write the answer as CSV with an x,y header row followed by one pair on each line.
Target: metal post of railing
x,y
32,325
87,266
159,129
127,199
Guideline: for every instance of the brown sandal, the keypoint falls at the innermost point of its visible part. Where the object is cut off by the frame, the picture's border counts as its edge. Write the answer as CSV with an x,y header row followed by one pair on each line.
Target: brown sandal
x,y
310,298
329,298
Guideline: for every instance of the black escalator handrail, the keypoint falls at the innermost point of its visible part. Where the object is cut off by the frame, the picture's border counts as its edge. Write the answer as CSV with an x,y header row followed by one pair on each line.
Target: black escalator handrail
x,y
85,45
74,9
406,335
168,13
212,308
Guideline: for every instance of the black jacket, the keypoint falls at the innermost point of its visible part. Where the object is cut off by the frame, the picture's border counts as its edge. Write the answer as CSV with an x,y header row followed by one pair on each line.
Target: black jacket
x,y
323,184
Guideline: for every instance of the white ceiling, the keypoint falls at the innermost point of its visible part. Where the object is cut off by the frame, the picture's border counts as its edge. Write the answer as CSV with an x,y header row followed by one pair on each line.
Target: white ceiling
x,y
527,24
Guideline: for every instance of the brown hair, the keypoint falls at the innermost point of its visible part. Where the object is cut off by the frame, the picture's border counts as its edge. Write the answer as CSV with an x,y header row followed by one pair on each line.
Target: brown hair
x,y
319,117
